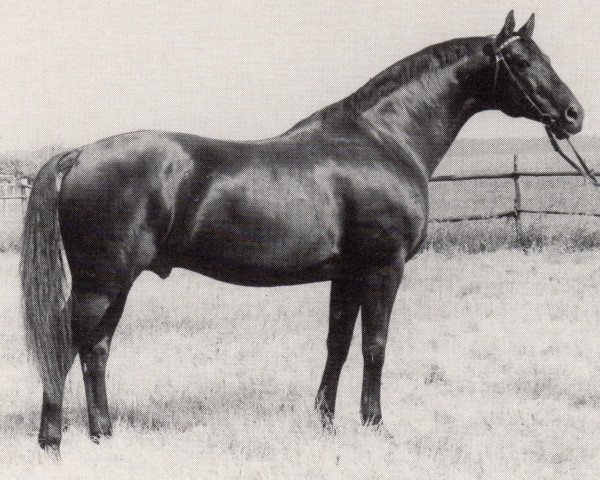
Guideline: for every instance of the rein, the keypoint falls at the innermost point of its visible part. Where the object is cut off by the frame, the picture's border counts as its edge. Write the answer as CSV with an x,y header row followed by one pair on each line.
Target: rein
x,y
583,170
544,118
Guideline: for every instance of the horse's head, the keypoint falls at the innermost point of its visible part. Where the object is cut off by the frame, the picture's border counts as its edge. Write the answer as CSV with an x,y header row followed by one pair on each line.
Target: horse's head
x,y
526,85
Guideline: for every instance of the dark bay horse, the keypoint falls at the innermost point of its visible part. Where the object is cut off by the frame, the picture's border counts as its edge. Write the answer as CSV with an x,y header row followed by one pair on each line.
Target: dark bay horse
x,y
342,196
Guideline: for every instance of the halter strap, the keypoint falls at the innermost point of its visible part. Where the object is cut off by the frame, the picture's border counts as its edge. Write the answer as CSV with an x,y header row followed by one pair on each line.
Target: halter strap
x,y
545,119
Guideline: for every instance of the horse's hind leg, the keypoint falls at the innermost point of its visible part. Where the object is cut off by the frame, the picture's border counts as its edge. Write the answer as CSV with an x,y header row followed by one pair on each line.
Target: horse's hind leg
x,y
95,320
50,433
343,310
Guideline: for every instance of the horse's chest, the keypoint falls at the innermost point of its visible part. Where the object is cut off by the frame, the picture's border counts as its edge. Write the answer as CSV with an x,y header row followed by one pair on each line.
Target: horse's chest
x,y
387,219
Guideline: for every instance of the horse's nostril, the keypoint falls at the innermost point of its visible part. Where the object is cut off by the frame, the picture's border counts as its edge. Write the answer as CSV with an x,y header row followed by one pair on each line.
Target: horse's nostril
x,y
572,114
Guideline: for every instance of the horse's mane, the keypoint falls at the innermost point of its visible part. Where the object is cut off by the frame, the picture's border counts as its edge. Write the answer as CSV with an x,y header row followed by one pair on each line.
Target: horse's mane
x,y
414,66
401,73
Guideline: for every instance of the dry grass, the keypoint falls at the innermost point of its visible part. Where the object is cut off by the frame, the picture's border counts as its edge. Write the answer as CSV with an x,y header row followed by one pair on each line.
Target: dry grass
x,y
12,225
492,372
537,234
570,233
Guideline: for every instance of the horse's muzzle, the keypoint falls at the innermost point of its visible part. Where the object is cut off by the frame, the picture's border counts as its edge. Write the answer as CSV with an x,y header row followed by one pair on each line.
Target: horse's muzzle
x,y
571,121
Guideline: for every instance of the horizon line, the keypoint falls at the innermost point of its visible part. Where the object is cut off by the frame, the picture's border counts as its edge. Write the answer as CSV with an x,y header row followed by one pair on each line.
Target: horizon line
x,y
66,145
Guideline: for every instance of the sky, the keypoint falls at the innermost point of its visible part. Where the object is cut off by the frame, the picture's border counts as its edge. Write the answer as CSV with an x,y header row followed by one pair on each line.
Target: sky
x,y
77,71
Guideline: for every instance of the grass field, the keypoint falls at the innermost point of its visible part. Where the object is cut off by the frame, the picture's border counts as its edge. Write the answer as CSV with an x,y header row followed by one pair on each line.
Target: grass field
x,y
492,372
492,368
571,233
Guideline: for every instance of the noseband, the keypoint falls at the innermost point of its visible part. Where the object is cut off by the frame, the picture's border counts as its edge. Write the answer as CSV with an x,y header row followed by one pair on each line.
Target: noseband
x,y
544,118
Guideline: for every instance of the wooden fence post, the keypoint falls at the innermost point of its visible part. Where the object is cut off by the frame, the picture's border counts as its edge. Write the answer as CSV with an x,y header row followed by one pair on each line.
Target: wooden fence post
x,y
4,199
517,202
24,194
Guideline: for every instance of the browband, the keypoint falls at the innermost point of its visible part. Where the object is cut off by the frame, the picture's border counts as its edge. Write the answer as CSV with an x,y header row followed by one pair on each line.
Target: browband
x,y
498,50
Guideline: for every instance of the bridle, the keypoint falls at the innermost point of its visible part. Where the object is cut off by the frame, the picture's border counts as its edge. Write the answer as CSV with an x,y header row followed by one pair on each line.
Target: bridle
x,y
544,118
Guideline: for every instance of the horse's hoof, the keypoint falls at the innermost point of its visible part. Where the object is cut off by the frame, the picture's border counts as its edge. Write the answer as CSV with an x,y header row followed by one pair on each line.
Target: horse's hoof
x,y
329,428
327,423
51,448
381,431
385,434
100,433
99,437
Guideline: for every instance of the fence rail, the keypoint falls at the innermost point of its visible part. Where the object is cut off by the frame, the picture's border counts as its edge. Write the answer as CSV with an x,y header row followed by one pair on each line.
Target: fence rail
x,y
9,186
517,210
507,175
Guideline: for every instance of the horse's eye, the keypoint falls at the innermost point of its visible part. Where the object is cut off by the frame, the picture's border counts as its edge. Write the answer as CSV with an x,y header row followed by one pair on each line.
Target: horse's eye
x,y
522,63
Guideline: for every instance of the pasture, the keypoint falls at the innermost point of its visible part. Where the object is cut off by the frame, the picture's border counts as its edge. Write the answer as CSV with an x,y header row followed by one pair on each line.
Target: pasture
x,y
484,197
492,372
492,364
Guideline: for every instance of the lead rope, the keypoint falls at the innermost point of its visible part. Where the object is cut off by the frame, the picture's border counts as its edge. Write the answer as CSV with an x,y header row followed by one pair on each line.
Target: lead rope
x,y
588,171
545,119
583,171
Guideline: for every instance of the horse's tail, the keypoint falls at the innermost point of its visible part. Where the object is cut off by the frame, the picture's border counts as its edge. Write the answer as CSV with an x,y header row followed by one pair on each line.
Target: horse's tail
x,y
44,278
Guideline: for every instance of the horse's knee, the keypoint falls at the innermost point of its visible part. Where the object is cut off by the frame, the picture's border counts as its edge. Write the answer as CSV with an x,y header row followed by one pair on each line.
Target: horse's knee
x,y
337,350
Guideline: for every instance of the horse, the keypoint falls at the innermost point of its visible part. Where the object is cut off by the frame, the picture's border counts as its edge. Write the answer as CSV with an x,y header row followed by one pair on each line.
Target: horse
x,y
342,196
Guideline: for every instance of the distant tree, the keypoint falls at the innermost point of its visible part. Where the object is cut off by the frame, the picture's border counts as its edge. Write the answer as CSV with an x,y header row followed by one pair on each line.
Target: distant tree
x,y
25,163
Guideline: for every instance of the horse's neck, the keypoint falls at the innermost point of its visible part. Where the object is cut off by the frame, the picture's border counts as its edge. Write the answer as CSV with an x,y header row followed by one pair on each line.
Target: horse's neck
x,y
422,117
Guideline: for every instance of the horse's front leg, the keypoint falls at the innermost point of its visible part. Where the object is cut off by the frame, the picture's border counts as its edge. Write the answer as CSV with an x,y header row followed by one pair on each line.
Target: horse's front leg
x,y
379,292
343,310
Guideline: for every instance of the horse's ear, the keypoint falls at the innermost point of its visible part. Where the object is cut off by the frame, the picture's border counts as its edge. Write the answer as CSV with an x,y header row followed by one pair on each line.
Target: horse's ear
x,y
527,30
508,28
